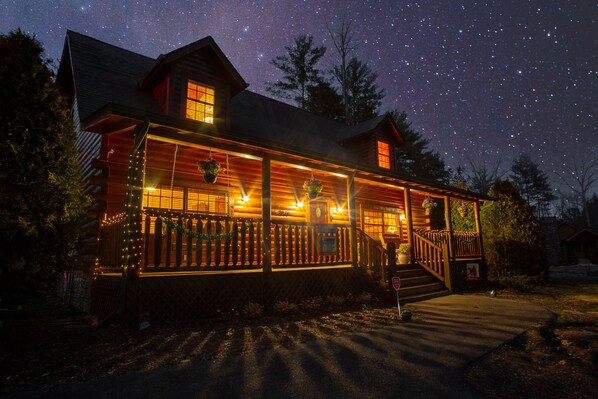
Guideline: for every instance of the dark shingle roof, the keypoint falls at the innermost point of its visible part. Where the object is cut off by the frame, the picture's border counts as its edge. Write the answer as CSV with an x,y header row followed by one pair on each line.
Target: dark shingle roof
x,y
279,123
104,74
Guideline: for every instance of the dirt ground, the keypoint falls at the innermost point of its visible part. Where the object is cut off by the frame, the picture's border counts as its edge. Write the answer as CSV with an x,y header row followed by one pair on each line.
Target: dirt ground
x,y
557,360
552,361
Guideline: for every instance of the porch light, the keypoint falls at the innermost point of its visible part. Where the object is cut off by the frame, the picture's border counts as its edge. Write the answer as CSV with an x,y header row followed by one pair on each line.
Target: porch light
x,y
299,204
246,198
402,217
150,188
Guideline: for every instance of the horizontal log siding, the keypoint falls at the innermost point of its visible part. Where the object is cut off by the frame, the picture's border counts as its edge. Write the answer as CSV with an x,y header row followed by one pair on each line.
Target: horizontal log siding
x,y
421,221
287,189
369,195
241,177
118,164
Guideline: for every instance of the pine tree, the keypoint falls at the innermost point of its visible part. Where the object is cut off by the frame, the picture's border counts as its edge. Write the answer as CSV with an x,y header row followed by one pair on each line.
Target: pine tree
x,y
323,99
299,70
414,158
363,95
532,183
41,198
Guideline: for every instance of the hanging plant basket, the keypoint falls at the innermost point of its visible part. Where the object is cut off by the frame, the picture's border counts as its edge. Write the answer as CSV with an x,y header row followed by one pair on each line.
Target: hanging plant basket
x,y
428,204
312,188
210,169
463,210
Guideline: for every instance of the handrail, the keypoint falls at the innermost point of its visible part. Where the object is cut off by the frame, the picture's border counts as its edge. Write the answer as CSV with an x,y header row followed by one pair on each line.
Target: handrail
x,y
372,257
432,257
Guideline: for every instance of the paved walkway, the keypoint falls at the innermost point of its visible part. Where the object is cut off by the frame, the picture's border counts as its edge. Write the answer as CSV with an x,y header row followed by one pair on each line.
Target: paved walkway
x,y
424,358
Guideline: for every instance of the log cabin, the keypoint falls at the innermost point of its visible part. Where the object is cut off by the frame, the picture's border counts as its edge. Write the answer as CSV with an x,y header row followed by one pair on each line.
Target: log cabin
x,y
207,196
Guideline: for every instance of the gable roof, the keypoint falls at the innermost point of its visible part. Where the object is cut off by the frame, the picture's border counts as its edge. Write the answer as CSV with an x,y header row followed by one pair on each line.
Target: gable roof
x,y
106,81
164,60
104,74
378,123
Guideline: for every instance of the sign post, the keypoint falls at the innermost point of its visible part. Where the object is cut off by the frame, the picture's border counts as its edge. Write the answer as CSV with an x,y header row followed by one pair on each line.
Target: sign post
x,y
396,284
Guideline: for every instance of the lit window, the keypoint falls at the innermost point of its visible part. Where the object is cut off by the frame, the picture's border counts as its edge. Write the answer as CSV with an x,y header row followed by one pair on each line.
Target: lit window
x,y
207,201
200,102
383,155
163,197
377,222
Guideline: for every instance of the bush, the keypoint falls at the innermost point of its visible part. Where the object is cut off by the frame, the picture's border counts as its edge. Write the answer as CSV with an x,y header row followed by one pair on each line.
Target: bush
x,y
513,238
253,310
312,304
520,282
364,298
284,307
335,300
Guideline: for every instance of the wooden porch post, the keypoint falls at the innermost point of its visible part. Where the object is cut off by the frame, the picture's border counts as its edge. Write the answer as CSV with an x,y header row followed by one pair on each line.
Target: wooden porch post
x,y
448,264
409,220
478,225
352,217
266,224
449,226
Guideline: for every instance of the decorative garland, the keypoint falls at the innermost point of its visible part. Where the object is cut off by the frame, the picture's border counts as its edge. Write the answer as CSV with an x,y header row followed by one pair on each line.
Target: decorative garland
x,y
203,236
466,241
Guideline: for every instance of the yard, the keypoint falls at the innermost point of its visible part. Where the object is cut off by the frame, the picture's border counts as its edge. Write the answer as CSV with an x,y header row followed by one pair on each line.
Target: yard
x,y
556,360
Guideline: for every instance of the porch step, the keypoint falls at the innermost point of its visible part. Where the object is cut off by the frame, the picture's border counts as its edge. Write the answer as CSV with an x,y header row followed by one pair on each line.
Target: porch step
x,y
417,280
423,297
428,288
412,271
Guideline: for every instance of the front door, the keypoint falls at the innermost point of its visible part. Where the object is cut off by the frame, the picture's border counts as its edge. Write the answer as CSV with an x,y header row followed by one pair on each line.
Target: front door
x,y
318,212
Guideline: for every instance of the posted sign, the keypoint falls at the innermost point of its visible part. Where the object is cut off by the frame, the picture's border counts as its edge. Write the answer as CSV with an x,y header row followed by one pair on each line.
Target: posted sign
x,y
396,283
473,271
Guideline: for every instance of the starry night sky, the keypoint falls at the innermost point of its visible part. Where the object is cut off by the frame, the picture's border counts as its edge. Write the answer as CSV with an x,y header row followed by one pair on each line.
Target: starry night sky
x,y
479,79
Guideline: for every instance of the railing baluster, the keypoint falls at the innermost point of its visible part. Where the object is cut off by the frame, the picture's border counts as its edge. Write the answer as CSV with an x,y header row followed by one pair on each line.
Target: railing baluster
x,y
251,242
189,254
199,244
158,242
208,243
168,245
179,244
218,243
227,242
235,242
242,237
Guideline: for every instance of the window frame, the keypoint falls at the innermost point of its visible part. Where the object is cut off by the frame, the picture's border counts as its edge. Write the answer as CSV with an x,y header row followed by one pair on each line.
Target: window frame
x,y
186,199
380,156
202,103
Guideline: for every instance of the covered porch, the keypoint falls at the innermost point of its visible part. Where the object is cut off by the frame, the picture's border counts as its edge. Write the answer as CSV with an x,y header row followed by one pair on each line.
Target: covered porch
x,y
165,219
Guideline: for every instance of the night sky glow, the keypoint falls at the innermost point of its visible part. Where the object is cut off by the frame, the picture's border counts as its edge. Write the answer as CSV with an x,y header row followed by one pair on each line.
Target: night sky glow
x,y
480,79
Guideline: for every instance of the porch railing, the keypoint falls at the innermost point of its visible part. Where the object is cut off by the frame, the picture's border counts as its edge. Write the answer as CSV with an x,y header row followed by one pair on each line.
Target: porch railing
x,y
200,242
466,244
431,256
296,243
372,257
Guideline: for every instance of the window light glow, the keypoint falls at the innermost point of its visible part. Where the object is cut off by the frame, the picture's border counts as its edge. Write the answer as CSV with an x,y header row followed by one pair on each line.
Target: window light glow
x,y
383,155
200,102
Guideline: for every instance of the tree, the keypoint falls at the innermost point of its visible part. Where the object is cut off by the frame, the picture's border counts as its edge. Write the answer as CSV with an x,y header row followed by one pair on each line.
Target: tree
x,y
299,70
532,183
344,42
512,236
41,198
582,178
363,95
323,99
414,158
482,175
462,212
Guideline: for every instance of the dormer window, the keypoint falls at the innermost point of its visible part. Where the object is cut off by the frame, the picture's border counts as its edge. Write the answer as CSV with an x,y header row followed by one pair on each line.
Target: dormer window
x,y
383,155
200,102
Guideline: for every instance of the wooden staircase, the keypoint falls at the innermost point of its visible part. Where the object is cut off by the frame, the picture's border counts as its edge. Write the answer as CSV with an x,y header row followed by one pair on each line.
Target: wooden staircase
x,y
418,285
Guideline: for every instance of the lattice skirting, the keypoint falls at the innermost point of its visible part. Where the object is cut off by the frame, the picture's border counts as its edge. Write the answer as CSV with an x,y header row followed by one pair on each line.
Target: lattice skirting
x,y
104,295
196,296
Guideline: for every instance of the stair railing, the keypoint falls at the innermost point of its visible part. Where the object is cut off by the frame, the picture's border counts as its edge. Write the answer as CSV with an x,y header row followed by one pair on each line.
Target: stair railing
x,y
433,257
372,257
